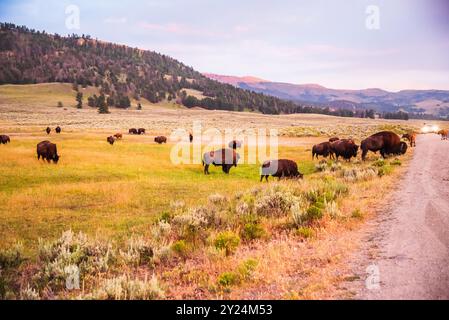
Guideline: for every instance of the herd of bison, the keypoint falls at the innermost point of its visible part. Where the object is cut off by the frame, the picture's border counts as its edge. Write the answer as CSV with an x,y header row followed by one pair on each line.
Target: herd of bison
x,y
386,142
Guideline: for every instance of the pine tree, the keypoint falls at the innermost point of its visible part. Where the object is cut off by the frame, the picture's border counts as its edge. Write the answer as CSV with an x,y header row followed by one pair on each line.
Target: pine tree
x,y
102,106
79,99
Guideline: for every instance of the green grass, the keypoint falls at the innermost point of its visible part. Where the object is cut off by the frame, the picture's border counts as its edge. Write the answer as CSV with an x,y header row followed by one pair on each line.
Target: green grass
x,y
113,191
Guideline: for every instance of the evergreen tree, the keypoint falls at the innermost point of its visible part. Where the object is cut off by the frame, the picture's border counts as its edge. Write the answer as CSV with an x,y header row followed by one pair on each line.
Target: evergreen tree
x,y
102,106
79,100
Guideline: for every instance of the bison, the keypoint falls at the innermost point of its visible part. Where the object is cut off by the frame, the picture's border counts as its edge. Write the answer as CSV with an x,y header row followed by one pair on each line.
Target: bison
x,y
190,137
334,139
281,169
386,142
225,158
111,140
160,140
133,131
47,151
401,149
345,148
141,131
444,134
58,130
235,144
118,136
411,137
322,149
4,139
48,130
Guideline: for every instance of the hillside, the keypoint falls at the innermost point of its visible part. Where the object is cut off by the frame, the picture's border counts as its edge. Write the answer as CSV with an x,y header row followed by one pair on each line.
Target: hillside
x,y
32,57
432,102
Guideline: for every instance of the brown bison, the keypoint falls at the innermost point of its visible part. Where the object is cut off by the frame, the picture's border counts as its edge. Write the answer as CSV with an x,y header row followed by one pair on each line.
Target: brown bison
x,y
444,134
411,137
235,144
47,151
118,136
58,130
323,149
141,131
334,139
190,137
225,158
4,139
281,169
48,130
111,140
160,140
133,131
401,149
345,148
386,142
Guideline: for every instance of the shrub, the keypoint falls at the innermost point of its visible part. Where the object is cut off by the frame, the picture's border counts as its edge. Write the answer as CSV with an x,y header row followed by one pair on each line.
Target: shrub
x,y
357,213
243,208
331,209
124,288
228,279
191,223
227,241
360,174
161,230
252,231
29,294
247,268
336,166
180,248
305,232
138,252
217,199
11,257
72,251
314,213
396,162
299,212
321,166
274,201
379,162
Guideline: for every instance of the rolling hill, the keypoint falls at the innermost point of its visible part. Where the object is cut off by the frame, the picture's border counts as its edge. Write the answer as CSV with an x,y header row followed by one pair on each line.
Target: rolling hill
x,y
433,102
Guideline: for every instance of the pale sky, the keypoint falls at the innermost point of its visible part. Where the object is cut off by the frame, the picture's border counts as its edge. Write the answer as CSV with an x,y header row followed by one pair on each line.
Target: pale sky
x,y
314,41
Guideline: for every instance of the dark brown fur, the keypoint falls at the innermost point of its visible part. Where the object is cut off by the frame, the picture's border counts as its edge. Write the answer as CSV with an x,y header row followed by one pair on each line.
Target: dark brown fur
x,y
235,144
48,151
225,158
282,168
133,131
58,130
334,139
323,149
4,139
444,134
386,142
345,148
141,131
111,140
190,137
160,139
118,136
48,130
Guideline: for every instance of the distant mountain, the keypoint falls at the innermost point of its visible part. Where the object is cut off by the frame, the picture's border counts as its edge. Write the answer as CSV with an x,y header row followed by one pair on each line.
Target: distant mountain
x,y
119,72
434,102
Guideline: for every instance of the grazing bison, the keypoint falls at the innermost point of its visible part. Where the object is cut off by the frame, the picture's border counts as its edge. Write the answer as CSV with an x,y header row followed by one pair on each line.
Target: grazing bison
x,y
141,131
48,130
58,130
226,158
160,140
334,139
386,142
118,136
323,149
133,131
190,137
47,151
235,144
444,134
345,148
401,149
4,139
411,137
281,169
111,140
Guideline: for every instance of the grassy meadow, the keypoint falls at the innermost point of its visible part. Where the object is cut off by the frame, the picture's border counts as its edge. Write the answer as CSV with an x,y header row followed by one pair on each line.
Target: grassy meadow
x,y
138,227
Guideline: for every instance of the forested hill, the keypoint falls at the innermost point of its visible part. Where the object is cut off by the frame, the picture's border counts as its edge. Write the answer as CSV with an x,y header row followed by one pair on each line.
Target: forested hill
x,y
28,56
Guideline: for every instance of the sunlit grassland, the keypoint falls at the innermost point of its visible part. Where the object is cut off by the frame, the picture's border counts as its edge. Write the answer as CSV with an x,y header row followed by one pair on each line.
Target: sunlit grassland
x,y
114,191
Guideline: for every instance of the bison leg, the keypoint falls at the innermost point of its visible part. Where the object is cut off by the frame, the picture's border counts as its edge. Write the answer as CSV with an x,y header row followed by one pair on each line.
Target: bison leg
x,y
364,153
206,169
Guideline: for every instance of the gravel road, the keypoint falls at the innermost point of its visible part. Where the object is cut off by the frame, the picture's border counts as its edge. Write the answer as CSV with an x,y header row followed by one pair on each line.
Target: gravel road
x,y
412,238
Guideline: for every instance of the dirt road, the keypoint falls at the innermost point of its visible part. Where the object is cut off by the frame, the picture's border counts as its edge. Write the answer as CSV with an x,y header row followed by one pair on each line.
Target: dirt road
x,y
409,246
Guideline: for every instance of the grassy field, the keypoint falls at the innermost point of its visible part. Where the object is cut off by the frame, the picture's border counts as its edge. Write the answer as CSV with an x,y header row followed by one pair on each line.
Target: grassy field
x,y
200,236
